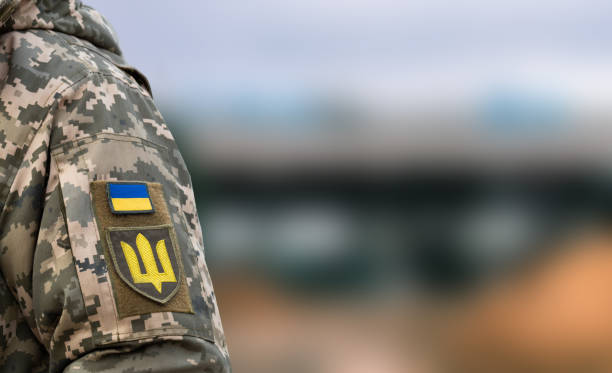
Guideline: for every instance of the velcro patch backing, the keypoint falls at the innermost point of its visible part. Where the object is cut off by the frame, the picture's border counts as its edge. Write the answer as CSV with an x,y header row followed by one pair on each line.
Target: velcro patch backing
x,y
156,232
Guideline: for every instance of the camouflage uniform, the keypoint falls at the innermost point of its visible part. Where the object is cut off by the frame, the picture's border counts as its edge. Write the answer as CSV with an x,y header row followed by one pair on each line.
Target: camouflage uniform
x,y
72,113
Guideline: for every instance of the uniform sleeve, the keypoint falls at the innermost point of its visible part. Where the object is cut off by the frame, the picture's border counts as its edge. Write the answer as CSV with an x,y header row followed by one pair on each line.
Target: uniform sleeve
x,y
115,285
70,317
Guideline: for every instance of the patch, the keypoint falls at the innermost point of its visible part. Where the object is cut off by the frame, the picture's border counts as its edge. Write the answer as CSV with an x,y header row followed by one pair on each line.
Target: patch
x,y
145,288
129,198
147,260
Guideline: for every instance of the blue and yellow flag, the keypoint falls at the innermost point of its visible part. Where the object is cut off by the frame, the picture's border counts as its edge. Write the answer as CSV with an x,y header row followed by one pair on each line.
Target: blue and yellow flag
x,y
129,198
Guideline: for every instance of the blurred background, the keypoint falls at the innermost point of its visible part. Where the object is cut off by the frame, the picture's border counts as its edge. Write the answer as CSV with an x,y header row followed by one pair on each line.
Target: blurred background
x,y
394,186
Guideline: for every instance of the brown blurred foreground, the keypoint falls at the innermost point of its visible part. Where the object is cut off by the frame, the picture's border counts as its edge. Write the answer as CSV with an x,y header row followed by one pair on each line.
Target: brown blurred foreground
x,y
270,331
555,316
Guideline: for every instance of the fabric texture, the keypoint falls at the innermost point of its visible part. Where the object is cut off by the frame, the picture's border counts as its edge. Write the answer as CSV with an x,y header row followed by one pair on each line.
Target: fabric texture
x,y
68,103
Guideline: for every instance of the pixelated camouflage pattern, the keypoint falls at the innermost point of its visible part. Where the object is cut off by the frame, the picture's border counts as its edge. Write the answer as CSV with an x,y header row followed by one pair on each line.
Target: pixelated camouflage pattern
x,y
72,112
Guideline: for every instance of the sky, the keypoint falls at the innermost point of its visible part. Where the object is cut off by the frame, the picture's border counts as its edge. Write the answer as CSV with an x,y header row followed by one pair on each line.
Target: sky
x,y
383,52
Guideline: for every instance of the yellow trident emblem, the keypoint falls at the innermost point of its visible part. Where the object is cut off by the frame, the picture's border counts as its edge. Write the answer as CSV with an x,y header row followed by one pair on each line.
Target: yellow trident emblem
x,y
152,275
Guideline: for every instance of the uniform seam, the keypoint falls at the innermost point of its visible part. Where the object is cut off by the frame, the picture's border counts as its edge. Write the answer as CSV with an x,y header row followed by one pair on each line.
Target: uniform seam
x,y
65,217
103,135
179,333
162,329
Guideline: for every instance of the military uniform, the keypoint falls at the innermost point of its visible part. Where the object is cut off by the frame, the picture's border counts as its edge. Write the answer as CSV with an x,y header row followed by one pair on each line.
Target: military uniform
x,y
101,255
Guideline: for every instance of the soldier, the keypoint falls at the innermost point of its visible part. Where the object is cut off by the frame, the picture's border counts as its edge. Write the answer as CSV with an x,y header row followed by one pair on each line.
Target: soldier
x,y
101,254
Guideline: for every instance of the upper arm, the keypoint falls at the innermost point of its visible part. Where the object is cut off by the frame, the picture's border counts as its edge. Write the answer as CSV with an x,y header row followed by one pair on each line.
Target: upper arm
x,y
107,129
75,295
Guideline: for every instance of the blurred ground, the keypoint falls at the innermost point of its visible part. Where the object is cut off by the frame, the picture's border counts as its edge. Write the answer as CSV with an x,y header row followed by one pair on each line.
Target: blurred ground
x,y
391,186
274,331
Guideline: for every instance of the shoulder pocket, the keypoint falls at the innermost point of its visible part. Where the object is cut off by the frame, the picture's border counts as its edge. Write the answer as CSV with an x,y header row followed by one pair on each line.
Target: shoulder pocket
x,y
103,242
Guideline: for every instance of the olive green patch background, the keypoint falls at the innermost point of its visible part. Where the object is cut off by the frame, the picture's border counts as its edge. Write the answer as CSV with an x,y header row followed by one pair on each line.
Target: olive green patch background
x,y
128,301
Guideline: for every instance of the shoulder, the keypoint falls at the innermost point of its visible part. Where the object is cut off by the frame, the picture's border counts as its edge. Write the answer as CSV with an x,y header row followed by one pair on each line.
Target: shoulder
x,y
44,62
86,90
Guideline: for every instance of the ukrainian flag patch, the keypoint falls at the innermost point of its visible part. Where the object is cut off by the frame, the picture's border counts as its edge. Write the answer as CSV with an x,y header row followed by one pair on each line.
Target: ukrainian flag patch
x,y
129,198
